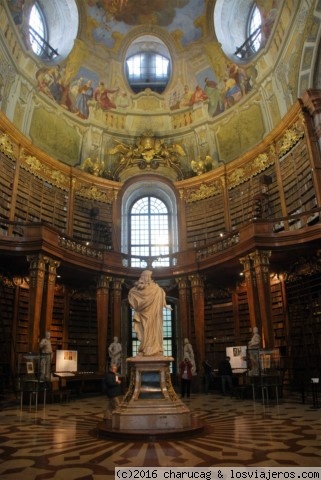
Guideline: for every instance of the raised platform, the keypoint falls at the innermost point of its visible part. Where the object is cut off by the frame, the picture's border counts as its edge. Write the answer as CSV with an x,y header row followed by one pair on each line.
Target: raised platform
x,y
196,427
150,407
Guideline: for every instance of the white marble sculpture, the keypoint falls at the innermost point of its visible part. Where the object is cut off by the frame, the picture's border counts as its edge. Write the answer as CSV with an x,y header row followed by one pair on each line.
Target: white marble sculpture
x,y
115,351
253,351
189,354
148,300
45,363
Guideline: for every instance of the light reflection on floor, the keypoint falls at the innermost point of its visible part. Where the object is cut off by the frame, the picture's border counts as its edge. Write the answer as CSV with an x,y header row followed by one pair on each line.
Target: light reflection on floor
x,y
61,441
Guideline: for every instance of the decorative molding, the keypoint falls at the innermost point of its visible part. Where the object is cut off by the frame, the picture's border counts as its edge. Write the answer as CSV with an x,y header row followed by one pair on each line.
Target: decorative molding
x,y
39,169
79,248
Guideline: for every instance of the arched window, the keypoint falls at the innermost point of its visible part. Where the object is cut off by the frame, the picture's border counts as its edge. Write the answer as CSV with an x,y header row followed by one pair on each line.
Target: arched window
x,y
53,27
243,27
136,208
38,35
255,29
148,64
149,232
147,70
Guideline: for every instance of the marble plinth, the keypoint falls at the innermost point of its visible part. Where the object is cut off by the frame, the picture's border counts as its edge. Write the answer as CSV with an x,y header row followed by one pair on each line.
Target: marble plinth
x,y
151,403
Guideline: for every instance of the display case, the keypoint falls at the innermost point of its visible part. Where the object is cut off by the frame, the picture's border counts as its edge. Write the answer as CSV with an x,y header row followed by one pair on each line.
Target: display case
x,y
34,365
34,375
267,382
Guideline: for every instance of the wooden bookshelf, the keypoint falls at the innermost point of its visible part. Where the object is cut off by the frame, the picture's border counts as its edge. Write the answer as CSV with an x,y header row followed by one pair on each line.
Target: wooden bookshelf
x,y
92,222
204,221
298,187
7,168
7,298
304,310
58,321
22,341
83,335
243,315
39,201
278,315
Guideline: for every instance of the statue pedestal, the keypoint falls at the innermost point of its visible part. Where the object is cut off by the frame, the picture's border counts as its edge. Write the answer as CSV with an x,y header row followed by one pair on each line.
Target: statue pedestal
x,y
150,407
151,403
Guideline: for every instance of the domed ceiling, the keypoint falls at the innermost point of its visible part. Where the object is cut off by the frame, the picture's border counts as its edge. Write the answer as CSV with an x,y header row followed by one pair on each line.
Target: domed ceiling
x,y
203,112
117,17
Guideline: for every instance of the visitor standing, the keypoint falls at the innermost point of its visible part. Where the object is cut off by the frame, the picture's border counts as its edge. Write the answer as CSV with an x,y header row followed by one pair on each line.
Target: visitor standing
x,y
185,369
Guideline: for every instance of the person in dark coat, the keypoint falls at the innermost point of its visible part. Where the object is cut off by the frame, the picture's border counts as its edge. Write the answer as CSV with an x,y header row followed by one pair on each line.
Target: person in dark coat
x,y
185,370
113,391
225,371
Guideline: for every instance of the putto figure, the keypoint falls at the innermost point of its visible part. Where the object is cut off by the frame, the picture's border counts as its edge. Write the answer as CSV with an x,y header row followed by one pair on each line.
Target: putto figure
x,y
148,300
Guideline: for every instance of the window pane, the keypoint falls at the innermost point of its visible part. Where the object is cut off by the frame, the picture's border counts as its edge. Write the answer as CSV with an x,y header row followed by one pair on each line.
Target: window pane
x,y
255,29
148,70
149,229
37,30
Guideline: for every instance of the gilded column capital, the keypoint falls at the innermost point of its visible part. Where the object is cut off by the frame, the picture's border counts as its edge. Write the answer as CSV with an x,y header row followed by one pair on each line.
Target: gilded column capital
x,y
37,261
182,282
103,281
260,257
117,283
246,262
196,280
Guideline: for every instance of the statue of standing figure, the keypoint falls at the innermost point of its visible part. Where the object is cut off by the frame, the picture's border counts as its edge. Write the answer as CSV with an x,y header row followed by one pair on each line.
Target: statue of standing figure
x,y
45,362
189,354
253,350
148,300
115,350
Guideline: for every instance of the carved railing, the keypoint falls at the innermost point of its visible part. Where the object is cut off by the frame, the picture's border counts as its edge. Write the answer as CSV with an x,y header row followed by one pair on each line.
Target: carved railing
x,y
258,232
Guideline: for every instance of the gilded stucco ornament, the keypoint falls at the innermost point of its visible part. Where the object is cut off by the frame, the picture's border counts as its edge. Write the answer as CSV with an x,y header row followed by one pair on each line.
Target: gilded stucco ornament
x,y
94,167
6,146
93,193
148,152
43,171
202,165
204,191
290,138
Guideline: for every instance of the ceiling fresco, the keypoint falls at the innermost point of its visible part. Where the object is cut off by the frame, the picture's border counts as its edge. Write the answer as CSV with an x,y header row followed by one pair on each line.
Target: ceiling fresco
x,y
90,84
111,16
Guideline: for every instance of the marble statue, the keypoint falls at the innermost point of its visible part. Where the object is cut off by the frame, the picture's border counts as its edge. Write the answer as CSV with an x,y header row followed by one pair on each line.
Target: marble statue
x,y
45,362
114,351
253,347
189,354
148,300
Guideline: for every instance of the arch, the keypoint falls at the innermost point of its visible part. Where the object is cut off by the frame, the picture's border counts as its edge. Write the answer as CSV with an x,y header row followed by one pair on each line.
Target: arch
x,y
62,21
145,187
231,22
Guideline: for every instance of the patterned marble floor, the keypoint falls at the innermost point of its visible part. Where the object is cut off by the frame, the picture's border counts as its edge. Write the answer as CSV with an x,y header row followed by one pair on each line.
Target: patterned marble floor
x,y
61,441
